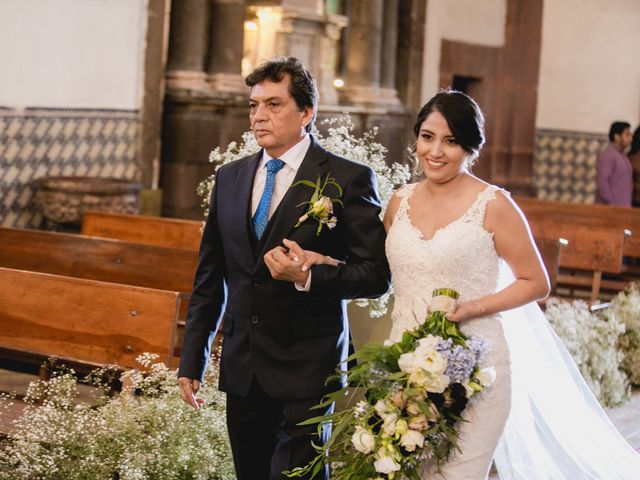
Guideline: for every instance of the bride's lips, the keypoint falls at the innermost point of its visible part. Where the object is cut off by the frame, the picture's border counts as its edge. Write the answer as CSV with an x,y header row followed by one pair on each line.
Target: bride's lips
x,y
435,163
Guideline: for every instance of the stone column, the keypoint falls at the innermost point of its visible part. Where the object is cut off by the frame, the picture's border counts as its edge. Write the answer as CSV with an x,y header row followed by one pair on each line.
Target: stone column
x,y
327,61
364,54
389,51
187,45
224,62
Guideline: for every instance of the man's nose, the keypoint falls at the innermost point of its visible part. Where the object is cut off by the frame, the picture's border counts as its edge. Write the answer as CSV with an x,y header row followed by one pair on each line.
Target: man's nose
x,y
259,112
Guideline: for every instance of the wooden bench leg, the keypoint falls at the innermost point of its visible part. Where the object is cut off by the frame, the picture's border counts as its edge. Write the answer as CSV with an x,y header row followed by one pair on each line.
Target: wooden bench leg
x,y
595,287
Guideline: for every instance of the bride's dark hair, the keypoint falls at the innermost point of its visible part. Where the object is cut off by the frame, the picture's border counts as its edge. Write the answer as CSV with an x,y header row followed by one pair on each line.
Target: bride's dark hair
x,y
463,115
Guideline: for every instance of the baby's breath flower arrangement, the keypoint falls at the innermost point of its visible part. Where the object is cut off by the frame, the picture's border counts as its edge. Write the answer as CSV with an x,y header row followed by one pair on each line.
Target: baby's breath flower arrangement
x,y
592,341
625,307
151,434
416,391
342,141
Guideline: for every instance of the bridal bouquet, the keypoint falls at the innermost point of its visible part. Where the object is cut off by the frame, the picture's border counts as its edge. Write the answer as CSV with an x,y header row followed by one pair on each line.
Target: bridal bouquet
x,y
415,392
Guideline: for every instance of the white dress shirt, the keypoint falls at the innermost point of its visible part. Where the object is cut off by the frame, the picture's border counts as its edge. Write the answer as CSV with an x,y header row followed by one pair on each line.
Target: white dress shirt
x,y
292,159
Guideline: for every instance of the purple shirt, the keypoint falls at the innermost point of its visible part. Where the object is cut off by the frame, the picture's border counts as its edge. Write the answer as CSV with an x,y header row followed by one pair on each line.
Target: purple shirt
x,y
614,178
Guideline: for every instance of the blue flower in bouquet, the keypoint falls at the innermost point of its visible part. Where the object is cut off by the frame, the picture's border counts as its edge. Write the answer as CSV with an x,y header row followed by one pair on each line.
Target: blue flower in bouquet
x,y
415,392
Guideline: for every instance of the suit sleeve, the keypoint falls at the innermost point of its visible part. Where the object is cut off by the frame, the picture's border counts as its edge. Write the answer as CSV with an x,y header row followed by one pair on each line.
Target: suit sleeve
x,y
207,298
366,272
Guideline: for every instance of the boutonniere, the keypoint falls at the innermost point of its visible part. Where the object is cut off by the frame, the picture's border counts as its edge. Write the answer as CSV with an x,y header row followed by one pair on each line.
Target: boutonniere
x,y
320,204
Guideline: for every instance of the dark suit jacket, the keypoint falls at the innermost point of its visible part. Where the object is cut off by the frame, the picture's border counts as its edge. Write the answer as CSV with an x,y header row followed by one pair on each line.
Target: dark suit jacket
x,y
290,340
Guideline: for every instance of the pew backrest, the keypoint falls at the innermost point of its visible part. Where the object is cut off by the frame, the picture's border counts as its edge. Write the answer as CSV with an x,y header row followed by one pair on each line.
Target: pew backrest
x,y
161,231
593,249
99,259
586,215
85,321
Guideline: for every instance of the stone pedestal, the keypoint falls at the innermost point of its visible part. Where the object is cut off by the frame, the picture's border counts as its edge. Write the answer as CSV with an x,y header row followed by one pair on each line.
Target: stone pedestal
x,y
63,200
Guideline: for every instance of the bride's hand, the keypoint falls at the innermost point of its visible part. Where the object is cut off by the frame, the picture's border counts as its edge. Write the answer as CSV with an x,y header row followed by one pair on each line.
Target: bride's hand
x,y
308,257
465,311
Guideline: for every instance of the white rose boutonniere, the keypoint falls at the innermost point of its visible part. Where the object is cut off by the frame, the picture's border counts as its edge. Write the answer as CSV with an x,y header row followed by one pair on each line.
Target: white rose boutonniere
x,y
320,204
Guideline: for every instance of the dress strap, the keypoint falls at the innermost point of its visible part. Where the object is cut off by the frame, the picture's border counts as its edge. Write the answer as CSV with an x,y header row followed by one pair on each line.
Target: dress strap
x,y
476,212
404,193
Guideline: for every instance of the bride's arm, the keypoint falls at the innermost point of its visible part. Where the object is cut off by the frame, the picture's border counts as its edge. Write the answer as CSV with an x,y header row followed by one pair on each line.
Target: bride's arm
x,y
514,243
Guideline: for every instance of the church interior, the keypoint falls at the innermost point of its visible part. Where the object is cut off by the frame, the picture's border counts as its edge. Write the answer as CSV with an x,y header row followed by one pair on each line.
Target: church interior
x,y
114,112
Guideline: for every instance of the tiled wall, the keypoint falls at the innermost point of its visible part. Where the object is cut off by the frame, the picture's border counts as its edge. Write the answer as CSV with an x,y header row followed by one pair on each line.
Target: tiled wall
x,y
37,143
564,166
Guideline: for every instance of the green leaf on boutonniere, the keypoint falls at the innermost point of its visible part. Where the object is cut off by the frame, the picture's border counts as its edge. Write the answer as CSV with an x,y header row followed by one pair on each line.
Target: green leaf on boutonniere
x,y
320,205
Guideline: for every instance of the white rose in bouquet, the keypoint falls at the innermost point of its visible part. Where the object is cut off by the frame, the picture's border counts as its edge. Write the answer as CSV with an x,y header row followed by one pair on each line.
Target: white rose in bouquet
x,y
408,362
363,440
411,439
431,362
486,376
385,463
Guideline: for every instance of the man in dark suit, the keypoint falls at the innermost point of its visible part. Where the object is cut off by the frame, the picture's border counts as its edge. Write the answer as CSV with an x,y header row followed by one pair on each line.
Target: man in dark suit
x,y
285,327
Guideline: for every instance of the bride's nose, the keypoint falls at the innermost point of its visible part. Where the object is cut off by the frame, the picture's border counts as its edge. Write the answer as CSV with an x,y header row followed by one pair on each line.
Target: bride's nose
x,y
436,149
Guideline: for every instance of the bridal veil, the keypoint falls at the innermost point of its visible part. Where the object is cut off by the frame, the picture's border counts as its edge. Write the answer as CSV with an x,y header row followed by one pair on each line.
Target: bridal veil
x,y
556,428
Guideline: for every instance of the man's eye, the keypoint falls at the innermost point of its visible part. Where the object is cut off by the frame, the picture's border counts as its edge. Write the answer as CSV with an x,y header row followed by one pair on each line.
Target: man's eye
x,y
274,104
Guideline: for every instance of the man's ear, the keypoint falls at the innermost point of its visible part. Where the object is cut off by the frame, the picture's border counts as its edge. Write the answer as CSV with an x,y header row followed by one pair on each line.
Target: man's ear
x,y
307,115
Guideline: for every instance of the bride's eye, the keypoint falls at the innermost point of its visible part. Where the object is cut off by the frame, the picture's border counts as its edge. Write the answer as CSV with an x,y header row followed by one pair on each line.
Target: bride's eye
x,y
426,136
452,141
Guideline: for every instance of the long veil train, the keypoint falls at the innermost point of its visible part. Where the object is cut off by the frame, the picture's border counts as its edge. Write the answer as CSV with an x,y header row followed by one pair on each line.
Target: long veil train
x,y
556,428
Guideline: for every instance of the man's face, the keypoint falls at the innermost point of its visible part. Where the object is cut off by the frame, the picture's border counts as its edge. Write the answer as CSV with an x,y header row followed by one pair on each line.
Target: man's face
x,y
623,140
276,122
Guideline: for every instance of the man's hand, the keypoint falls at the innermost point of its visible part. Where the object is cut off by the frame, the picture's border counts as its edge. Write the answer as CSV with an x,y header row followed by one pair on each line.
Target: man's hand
x,y
188,389
287,265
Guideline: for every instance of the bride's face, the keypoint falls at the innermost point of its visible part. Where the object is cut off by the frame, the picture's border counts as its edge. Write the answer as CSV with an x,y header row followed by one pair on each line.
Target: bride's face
x,y
438,151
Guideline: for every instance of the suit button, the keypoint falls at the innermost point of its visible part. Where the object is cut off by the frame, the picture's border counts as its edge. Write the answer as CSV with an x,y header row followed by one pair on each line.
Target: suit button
x,y
256,284
255,320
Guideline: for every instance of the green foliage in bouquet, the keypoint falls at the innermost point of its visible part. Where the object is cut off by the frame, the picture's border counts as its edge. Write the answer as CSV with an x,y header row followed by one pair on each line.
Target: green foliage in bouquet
x,y
151,434
416,390
340,140
625,308
592,341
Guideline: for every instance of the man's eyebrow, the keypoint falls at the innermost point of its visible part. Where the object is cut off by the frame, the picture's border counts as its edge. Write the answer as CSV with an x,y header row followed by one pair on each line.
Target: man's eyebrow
x,y
267,99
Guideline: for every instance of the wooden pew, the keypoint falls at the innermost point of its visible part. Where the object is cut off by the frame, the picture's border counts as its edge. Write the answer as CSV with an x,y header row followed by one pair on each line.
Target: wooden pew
x,y
84,321
590,252
100,259
103,260
586,215
161,231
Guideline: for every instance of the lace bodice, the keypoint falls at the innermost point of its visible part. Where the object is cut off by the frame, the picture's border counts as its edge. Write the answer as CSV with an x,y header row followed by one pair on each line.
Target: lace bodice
x,y
460,255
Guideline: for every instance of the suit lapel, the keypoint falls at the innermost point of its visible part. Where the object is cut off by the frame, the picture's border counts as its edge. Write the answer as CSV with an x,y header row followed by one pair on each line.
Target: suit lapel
x,y
290,208
242,203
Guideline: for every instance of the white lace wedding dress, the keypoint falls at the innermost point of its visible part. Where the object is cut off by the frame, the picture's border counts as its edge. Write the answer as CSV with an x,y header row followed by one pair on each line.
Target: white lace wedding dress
x,y
539,416
461,256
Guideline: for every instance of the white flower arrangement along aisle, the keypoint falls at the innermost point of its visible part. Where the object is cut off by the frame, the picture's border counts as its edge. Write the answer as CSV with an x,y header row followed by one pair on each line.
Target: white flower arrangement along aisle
x,y
151,434
605,345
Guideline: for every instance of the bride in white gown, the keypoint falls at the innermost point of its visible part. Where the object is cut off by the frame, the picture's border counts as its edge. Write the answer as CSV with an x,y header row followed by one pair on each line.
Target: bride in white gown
x,y
539,420
453,230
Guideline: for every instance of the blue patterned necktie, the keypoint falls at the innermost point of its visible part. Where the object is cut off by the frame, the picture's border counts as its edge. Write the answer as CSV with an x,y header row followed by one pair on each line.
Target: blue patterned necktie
x,y
261,217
